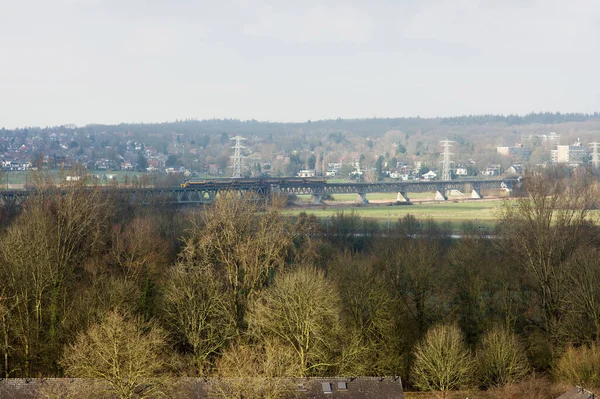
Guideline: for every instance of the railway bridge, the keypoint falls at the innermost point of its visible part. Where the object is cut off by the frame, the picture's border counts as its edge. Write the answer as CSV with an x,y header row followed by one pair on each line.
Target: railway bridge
x,y
205,191
441,188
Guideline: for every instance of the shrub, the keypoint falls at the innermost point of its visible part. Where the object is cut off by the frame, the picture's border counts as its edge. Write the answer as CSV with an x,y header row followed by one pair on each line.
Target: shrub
x,y
580,366
533,387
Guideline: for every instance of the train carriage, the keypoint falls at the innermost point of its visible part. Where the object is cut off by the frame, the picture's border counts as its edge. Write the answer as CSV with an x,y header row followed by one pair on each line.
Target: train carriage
x,y
249,182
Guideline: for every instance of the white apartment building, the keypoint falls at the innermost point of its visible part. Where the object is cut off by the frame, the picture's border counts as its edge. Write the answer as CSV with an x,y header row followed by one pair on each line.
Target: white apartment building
x,y
571,154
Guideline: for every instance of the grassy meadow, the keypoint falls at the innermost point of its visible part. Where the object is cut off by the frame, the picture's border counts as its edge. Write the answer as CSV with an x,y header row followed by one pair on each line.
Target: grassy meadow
x,y
16,180
390,197
483,213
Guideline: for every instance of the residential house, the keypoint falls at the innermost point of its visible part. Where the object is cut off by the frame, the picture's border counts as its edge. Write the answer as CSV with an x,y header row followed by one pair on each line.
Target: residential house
x,y
306,173
431,175
127,165
399,175
492,170
461,171
514,169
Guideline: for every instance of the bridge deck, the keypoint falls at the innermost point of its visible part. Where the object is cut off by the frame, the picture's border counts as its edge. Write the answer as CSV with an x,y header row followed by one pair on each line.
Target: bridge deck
x,y
207,193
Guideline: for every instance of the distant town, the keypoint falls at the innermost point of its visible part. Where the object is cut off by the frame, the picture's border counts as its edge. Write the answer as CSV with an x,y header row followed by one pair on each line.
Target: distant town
x,y
361,150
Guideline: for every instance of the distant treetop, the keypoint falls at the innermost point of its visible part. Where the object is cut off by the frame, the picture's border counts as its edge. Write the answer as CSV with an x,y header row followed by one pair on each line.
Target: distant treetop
x,y
542,117
366,125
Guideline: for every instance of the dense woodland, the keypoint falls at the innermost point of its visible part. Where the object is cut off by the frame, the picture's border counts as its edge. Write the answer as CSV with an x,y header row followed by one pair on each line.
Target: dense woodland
x,y
94,286
368,125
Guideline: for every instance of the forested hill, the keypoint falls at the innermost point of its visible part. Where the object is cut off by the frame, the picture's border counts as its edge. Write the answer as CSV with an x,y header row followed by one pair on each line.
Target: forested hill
x,y
541,118
370,126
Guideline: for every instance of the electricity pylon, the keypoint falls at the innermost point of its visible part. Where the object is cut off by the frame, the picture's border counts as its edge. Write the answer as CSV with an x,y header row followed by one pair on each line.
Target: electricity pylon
x,y
446,162
238,158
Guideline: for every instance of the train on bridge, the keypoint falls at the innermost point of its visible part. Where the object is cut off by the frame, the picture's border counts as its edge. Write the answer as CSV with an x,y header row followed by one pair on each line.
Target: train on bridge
x,y
250,182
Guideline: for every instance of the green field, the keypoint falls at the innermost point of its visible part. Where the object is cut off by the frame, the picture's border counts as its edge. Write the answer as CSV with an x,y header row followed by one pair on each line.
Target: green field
x,y
484,213
384,196
16,180
391,197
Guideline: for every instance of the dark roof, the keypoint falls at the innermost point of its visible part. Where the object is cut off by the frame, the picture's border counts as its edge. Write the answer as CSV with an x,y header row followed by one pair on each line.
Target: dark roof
x,y
352,388
34,388
309,388
16,388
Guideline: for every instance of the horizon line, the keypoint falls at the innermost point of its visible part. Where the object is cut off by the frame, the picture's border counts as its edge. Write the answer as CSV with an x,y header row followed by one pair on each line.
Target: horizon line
x,y
501,115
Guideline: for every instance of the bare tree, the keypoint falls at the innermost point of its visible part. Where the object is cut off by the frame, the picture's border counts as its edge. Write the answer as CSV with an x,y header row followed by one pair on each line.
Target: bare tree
x,y
581,322
414,266
485,290
542,230
442,361
136,247
348,230
369,318
243,243
28,271
255,371
500,359
103,291
301,309
129,355
199,311
38,255
5,307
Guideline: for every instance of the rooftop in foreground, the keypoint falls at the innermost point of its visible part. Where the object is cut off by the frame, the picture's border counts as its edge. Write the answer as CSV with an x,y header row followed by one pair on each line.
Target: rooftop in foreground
x,y
192,388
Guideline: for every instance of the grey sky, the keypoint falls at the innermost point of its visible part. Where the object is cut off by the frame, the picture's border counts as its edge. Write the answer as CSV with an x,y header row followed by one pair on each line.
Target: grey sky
x,y
105,61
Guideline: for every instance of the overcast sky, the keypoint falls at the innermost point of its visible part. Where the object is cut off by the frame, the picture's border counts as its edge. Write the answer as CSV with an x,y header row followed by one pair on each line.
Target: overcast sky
x,y
105,61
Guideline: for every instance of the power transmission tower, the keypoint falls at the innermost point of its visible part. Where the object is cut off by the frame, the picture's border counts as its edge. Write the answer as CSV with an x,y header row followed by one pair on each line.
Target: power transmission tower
x,y
595,154
238,158
446,162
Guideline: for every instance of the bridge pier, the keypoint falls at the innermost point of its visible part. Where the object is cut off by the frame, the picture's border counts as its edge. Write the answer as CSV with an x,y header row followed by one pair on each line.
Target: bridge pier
x,y
440,195
476,193
402,197
362,198
316,199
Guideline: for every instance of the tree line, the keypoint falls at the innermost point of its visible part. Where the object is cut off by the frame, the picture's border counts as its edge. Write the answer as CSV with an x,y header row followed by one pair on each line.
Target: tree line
x,y
93,286
265,128
533,117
